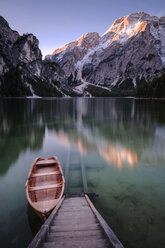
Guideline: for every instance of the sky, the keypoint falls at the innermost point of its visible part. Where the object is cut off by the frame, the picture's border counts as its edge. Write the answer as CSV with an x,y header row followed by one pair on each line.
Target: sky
x,y
57,22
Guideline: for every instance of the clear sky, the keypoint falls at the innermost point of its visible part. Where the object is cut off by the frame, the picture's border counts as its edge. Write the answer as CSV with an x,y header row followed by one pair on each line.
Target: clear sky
x,y
57,22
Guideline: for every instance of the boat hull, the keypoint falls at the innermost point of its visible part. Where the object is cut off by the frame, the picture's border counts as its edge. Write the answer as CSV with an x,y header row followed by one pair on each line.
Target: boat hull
x,y
45,185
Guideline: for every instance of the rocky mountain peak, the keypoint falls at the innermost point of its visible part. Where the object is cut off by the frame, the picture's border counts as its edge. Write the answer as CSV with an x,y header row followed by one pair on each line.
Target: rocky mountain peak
x,y
68,55
128,26
65,47
88,40
26,49
3,22
6,33
130,52
85,41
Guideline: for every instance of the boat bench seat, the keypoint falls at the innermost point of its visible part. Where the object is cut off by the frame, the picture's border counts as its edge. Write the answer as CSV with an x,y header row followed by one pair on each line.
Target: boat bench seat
x,y
45,173
45,187
46,162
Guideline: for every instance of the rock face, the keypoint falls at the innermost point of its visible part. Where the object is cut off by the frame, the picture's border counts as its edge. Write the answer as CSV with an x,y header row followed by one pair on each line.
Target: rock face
x,y
22,70
71,53
7,38
131,52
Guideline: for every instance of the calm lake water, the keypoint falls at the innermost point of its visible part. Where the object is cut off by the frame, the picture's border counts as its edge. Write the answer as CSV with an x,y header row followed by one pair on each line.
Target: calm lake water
x,y
122,143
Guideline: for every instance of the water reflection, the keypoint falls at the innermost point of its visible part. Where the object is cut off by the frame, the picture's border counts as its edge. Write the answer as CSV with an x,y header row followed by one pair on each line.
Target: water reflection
x,y
113,154
34,220
122,132
119,155
122,142
63,138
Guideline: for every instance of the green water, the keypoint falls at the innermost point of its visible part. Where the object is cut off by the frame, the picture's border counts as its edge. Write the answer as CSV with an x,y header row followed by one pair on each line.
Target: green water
x,y
122,144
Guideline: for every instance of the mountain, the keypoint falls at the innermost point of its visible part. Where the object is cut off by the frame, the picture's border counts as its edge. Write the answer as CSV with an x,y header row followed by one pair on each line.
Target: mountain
x,y
22,70
130,53
70,54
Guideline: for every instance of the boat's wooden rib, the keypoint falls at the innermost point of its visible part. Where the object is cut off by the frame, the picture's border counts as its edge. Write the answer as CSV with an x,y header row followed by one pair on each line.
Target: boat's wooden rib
x,y
45,185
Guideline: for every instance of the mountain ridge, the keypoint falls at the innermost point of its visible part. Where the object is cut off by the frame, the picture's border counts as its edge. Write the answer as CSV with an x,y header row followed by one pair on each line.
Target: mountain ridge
x,y
123,35
23,73
130,53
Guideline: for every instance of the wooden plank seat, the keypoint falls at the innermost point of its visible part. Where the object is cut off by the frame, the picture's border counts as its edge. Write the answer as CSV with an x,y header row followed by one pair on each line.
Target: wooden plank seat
x,y
45,162
46,173
45,187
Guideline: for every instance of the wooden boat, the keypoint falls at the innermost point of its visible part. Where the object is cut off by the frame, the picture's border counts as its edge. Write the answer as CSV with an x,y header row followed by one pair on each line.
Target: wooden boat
x,y
45,185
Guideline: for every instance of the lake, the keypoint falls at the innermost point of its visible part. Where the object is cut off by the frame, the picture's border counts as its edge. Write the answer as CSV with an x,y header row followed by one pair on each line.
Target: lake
x,y
122,144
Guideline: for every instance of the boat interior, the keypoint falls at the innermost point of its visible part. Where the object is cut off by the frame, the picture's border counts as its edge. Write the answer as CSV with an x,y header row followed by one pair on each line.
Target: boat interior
x,y
45,182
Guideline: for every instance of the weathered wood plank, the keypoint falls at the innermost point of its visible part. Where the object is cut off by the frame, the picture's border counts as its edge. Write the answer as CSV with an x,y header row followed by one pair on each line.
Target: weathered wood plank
x,y
58,239
76,210
75,221
75,206
76,214
72,208
75,203
75,199
73,234
75,194
72,204
66,228
70,243
73,217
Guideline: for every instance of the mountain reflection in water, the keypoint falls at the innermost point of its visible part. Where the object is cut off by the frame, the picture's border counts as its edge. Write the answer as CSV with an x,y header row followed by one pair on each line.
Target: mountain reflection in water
x,y
117,155
122,132
122,144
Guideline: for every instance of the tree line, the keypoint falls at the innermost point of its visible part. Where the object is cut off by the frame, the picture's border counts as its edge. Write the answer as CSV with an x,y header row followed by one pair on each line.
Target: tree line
x,y
154,88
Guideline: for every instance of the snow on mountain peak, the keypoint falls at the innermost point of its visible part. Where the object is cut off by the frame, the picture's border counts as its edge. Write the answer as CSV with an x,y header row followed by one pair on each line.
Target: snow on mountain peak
x,y
127,27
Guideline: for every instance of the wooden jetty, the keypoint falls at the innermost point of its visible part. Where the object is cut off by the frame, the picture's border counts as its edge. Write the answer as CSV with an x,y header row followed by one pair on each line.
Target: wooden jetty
x,y
75,223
